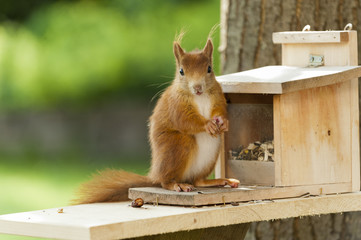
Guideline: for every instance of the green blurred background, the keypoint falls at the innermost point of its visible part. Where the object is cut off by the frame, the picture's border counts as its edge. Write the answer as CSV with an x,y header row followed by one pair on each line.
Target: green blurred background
x,y
78,81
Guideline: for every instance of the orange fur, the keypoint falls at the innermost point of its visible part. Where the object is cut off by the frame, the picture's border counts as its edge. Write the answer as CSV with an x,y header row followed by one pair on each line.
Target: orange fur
x,y
176,120
177,126
110,186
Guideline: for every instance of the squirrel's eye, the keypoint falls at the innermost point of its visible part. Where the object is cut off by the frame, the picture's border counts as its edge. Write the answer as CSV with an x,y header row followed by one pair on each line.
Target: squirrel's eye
x,y
181,72
209,69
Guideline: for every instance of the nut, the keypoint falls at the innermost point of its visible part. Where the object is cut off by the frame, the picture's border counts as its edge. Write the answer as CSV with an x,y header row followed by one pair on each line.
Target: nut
x,y
137,203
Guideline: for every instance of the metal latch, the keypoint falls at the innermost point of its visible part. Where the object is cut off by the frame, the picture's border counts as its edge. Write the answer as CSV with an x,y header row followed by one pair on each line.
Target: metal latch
x,y
316,60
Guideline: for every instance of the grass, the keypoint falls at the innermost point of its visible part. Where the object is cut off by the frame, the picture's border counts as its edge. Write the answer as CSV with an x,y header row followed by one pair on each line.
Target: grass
x,y
33,184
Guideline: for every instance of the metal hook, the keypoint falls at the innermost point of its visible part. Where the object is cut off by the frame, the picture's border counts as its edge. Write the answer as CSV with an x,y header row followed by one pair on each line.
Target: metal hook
x,y
306,28
348,27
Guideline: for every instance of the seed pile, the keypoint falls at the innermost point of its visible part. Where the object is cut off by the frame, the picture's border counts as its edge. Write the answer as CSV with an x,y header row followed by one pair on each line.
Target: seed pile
x,y
256,151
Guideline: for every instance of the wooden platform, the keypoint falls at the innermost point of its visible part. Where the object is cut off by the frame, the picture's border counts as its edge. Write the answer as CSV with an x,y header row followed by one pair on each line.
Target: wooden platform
x,y
120,221
212,196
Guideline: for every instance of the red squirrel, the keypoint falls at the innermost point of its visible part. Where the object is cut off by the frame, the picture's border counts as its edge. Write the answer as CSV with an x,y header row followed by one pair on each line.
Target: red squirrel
x,y
184,134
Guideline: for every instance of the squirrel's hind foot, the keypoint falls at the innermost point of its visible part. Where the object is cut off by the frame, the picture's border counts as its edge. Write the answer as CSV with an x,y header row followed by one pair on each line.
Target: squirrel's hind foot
x,y
179,187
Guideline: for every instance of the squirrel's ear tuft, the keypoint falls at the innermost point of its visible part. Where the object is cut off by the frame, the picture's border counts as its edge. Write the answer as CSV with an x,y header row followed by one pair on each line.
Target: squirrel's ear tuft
x,y
208,49
178,51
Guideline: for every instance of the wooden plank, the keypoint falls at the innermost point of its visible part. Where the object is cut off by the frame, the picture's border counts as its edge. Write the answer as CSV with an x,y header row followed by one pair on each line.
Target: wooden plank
x,y
355,122
211,196
311,37
283,79
352,52
33,225
316,136
252,172
303,51
277,139
355,136
120,221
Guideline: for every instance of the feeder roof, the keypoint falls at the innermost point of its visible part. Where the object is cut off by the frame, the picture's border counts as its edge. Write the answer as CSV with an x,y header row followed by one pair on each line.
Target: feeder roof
x,y
283,79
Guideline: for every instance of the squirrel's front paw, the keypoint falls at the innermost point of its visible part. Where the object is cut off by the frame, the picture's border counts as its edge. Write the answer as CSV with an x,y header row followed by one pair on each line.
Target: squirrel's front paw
x,y
211,127
222,123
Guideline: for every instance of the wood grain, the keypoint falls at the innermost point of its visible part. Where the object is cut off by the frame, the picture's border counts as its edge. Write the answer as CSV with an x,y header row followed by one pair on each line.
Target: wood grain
x,y
120,221
316,136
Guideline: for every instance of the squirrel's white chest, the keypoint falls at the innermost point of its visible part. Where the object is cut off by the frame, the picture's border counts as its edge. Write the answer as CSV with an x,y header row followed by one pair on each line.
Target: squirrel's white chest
x,y
204,105
207,146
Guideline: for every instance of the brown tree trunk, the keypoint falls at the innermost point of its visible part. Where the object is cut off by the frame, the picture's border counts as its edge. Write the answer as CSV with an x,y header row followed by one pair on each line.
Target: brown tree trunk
x,y
246,43
247,27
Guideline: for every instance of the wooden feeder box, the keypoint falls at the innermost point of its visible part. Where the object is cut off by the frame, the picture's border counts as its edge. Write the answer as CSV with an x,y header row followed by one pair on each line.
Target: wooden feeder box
x,y
308,107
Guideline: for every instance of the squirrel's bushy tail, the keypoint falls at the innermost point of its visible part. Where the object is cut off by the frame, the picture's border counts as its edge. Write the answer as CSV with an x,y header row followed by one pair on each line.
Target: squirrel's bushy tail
x,y
110,186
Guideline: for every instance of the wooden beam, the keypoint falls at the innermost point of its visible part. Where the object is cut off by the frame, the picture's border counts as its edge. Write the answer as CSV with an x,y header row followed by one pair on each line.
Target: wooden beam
x,y
277,126
120,221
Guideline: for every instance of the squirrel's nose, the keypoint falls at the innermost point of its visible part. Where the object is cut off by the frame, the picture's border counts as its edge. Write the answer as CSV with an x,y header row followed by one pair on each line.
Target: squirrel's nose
x,y
197,88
